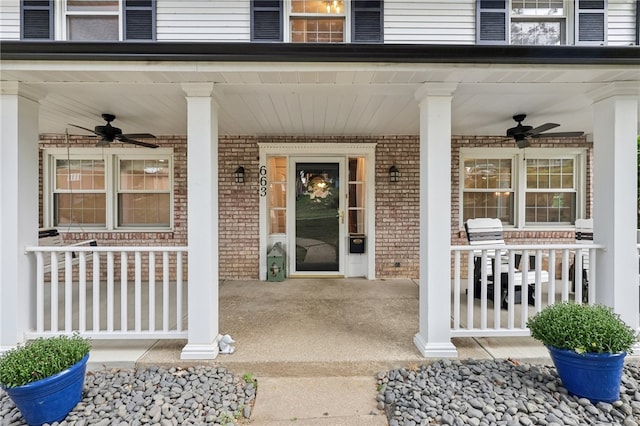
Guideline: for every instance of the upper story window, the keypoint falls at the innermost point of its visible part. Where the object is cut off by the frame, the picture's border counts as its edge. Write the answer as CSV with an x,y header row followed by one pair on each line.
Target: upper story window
x,y
88,20
92,20
317,21
547,188
313,21
109,189
541,22
538,22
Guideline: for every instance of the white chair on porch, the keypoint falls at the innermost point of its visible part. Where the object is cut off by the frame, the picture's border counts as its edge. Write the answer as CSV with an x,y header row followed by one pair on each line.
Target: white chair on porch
x,y
487,231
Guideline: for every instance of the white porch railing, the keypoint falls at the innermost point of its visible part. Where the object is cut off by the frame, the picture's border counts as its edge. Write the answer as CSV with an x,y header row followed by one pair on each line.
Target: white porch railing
x,y
84,292
483,316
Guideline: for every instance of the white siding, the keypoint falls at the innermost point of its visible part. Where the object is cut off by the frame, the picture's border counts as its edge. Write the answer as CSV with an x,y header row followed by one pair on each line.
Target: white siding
x,y
430,21
203,20
405,21
9,19
622,22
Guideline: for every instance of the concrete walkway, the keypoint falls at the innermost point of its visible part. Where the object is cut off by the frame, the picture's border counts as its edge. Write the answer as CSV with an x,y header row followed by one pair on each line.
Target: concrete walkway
x,y
315,346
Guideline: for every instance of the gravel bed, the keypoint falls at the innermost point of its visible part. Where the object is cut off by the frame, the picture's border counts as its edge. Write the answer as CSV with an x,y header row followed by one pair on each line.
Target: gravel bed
x,y
500,392
447,392
155,396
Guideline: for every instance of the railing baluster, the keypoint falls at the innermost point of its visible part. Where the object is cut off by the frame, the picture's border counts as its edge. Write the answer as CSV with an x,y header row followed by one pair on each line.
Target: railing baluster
x,y
138,289
152,291
483,290
511,307
165,291
524,289
577,276
53,327
110,292
68,292
551,296
124,309
178,291
470,289
456,290
497,287
537,289
96,292
593,287
565,275
82,292
39,292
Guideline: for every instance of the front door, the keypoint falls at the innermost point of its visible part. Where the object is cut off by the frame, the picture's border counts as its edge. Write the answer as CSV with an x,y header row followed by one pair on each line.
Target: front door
x,y
318,225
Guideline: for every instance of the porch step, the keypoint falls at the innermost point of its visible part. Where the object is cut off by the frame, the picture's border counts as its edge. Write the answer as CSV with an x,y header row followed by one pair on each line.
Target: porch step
x,y
167,354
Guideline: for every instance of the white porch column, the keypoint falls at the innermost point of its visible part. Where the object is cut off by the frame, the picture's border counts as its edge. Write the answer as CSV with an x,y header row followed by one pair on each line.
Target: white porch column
x,y
19,213
202,228
434,336
615,132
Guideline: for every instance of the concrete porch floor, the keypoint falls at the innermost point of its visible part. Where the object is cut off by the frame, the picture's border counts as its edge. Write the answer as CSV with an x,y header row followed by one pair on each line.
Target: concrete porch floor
x,y
315,327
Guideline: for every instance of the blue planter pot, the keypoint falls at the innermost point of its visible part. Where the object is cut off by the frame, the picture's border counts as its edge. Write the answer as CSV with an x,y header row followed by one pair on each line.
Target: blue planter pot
x,y
50,400
593,376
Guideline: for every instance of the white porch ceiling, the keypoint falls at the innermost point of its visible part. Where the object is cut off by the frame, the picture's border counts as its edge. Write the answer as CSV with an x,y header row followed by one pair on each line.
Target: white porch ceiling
x,y
313,99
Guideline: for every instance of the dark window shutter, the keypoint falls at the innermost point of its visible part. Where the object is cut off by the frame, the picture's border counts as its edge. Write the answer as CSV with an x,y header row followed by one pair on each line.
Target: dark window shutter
x,y
37,19
139,20
591,21
492,18
367,21
266,20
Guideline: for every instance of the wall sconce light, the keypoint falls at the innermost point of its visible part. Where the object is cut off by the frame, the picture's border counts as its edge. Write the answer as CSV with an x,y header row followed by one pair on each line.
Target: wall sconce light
x,y
239,174
394,174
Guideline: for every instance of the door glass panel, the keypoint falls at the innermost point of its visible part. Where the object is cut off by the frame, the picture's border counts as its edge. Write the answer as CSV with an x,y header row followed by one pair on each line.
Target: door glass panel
x,y
356,197
277,194
317,219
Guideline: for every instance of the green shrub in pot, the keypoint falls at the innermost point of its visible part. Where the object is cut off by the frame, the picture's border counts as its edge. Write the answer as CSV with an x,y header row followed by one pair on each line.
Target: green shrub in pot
x,y
582,328
45,377
588,344
41,358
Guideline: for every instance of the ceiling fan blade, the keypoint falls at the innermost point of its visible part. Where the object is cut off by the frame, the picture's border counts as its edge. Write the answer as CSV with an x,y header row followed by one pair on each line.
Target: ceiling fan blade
x,y
125,139
84,128
543,128
139,136
559,135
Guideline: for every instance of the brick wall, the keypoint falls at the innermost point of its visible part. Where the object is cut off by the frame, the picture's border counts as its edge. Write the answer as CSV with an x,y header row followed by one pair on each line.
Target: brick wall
x,y
397,208
238,205
396,212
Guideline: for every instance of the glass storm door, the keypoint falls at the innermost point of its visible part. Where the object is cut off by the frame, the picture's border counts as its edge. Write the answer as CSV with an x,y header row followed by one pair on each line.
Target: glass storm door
x,y
319,217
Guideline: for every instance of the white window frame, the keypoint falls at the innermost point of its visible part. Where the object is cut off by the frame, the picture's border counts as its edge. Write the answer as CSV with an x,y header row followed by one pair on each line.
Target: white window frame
x,y
288,14
518,157
61,13
568,20
111,158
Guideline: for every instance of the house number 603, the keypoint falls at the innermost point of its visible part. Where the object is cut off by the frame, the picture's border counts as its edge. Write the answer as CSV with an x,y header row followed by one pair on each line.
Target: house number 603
x,y
263,181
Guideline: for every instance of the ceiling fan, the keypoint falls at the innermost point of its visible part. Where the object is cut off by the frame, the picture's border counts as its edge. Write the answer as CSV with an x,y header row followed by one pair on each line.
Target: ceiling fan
x,y
108,133
522,133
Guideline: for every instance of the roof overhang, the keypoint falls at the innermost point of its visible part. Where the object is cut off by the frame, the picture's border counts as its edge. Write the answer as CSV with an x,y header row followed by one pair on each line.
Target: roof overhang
x,y
303,52
285,89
